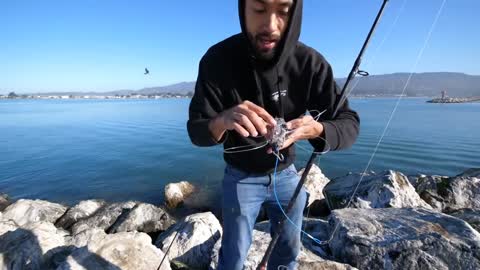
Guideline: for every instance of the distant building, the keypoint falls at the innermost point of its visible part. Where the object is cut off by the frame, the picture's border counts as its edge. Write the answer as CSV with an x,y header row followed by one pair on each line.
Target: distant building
x,y
444,94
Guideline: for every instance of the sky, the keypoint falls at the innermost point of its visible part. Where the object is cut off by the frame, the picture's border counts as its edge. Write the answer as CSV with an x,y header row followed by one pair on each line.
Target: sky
x,y
91,45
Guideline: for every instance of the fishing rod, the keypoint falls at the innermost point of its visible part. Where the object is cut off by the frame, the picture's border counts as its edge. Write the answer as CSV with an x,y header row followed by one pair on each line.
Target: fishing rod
x,y
339,102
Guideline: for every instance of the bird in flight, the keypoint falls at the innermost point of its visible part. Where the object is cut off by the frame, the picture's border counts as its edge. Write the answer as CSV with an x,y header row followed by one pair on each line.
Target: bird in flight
x,y
146,71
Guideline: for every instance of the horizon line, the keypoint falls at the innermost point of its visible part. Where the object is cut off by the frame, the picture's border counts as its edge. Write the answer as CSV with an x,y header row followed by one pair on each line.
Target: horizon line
x,y
173,84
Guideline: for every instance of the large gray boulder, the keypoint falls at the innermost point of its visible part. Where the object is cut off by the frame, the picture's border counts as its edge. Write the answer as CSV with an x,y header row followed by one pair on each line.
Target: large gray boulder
x,y
403,239
191,241
80,211
307,259
120,251
448,194
314,183
104,217
31,246
471,216
143,217
176,193
388,189
30,211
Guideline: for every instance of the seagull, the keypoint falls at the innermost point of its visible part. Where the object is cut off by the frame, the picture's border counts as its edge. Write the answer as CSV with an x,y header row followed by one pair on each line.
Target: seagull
x,y
146,71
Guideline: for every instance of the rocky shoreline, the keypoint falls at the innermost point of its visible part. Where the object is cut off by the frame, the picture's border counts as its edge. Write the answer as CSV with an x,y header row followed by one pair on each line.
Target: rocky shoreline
x,y
394,222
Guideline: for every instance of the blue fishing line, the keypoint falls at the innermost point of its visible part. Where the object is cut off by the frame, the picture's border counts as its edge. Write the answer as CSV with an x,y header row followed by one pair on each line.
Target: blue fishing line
x,y
285,214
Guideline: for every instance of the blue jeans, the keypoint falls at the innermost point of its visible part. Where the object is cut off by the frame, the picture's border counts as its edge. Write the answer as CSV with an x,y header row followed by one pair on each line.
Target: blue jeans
x,y
243,195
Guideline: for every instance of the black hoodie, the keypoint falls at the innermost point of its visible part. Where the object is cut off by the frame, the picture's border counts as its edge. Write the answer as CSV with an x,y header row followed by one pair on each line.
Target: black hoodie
x,y
297,79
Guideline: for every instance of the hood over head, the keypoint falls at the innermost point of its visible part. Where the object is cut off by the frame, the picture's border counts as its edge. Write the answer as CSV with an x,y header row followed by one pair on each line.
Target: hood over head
x,y
289,38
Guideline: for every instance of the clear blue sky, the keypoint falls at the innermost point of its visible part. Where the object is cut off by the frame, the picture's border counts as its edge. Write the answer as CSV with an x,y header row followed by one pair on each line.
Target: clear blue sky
x,y
105,45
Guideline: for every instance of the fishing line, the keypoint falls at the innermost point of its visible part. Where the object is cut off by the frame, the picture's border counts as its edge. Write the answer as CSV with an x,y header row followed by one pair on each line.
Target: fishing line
x,y
419,56
377,49
245,148
316,152
283,211
275,190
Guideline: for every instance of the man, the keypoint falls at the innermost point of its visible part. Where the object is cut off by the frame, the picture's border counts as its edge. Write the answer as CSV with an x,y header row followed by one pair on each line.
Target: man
x,y
244,83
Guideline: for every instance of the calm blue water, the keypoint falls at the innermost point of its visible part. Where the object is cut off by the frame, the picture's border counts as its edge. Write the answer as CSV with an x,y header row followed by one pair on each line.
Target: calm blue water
x,y
66,151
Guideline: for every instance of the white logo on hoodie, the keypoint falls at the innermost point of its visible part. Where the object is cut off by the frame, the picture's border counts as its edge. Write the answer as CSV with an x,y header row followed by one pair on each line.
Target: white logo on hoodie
x,y
275,95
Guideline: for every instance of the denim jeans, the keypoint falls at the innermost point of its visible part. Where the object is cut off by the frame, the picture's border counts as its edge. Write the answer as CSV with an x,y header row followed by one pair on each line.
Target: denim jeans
x,y
243,195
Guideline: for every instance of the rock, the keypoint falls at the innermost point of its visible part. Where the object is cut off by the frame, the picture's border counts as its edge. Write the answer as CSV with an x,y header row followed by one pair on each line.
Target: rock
x,y
429,187
307,260
471,216
103,217
474,172
316,228
448,194
29,211
394,238
80,211
4,201
205,200
176,193
319,208
314,183
191,240
143,218
125,250
31,246
7,225
389,189
176,265
84,237
319,229
413,179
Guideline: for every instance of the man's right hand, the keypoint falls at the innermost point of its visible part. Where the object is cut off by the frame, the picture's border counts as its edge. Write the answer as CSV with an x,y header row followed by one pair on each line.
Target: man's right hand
x,y
247,118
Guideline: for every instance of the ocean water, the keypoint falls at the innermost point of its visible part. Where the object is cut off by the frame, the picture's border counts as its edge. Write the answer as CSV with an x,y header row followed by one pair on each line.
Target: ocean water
x,y
69,150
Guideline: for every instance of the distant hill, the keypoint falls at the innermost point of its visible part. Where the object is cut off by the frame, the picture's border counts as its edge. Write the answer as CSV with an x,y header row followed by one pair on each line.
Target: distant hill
x,y
178,88
422,84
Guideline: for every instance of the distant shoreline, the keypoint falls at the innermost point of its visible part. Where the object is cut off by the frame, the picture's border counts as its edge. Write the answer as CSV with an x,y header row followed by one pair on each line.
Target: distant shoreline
x,y
66,97
163,96
187,96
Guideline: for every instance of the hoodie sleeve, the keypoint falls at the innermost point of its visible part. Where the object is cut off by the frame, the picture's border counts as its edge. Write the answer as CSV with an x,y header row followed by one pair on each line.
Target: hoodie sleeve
x,y
205,105
342,131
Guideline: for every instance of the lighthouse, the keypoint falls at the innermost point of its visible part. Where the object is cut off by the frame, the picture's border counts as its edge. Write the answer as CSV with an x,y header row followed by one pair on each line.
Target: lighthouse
x,y
444,94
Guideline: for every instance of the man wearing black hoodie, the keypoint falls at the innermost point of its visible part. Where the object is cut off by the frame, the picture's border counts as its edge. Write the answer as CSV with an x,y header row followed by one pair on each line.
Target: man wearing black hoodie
x,y
244,83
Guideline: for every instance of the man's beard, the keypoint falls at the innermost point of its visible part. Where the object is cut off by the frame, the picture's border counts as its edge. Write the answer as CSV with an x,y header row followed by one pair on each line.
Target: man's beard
x,y
262,54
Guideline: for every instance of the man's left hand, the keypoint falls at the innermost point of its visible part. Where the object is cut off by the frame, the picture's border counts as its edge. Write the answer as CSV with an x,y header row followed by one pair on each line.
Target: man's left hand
x,y
302,128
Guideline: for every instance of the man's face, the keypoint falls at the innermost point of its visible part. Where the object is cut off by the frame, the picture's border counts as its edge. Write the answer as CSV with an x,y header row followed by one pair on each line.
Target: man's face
x,y
266,22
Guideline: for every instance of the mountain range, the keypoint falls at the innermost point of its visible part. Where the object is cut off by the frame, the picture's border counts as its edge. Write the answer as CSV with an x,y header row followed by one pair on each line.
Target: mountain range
x,y
421,84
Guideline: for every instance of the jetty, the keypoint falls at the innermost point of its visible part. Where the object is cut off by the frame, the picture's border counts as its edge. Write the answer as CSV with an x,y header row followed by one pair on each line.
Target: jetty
x,y
445,99
454,100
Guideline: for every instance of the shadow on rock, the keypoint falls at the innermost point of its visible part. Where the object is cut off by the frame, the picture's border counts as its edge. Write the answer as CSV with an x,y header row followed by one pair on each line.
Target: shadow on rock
x,y
21,249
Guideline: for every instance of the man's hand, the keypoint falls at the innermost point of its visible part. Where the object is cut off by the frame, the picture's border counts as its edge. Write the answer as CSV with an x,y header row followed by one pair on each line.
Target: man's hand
x,y
302,128
247,118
